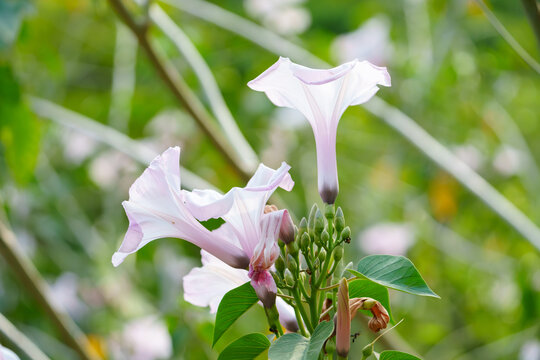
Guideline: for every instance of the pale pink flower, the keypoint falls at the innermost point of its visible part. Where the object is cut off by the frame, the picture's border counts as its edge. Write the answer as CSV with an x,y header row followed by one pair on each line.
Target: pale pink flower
x,y
387,239
322,96
286,17
470,155
157,208
530,350
145,338
206,286
371,42
64,295
508,160
6,354
245,221
78,146
111,168
290,20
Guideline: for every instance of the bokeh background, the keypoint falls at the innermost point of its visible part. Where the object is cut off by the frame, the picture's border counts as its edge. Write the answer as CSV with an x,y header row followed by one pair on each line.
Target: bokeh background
x,y
66,65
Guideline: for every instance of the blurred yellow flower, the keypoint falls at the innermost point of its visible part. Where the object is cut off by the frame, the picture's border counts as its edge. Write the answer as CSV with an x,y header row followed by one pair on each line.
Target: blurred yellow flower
x,y
442,196
96,346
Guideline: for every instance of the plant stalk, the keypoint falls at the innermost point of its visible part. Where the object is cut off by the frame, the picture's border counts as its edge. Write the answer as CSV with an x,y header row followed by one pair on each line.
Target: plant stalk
x,y
31,279
180,89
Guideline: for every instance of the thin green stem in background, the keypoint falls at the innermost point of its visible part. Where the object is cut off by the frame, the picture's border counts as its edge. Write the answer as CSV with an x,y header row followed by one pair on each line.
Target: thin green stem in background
x,y
508,37
107,135
455,166
180,89
31,279
124,76
392,116
19,340
238,25
533,14
208,84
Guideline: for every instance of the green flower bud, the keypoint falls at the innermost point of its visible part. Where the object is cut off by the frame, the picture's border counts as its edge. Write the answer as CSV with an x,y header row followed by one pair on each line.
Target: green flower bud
x,y
303,277
276,278
346,235
338,252
303,226
325,237
319,222
329,211
289,278
280,265
291,264
340,220
292,248
322,255
304,242
311,219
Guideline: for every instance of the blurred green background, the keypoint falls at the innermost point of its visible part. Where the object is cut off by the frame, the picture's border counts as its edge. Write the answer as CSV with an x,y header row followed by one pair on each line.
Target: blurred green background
x,y
61,185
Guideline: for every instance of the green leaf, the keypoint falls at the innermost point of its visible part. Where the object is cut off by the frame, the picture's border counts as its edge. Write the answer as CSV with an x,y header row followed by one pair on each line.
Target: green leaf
x,y
397,355
367,288
235,303
212,223
396,272
19,129
248,347
296,347
357,274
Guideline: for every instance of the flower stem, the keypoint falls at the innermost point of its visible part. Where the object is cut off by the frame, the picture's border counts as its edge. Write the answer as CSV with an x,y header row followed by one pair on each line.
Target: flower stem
x,y
38,289
300,322
180,90
272,316
300,307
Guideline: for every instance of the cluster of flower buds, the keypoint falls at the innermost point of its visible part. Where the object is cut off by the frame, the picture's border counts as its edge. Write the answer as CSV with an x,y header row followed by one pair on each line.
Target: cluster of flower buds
x,y
319,240
306,266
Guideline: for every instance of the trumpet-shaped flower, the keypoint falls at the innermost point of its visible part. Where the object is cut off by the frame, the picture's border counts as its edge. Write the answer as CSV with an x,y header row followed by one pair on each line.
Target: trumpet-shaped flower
x,y
206,286
255,231
322,96
158,208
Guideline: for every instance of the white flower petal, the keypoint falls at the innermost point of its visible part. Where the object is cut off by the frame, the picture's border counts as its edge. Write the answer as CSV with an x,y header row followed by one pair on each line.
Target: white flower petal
x,y
156,210
6,354
322,96
206,286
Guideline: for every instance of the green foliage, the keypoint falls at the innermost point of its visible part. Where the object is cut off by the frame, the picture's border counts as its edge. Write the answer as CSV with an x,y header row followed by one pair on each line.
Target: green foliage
x,y
367,288
11,15
235,303
395,272
212,224
248,347
19,129
296,347
396,355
